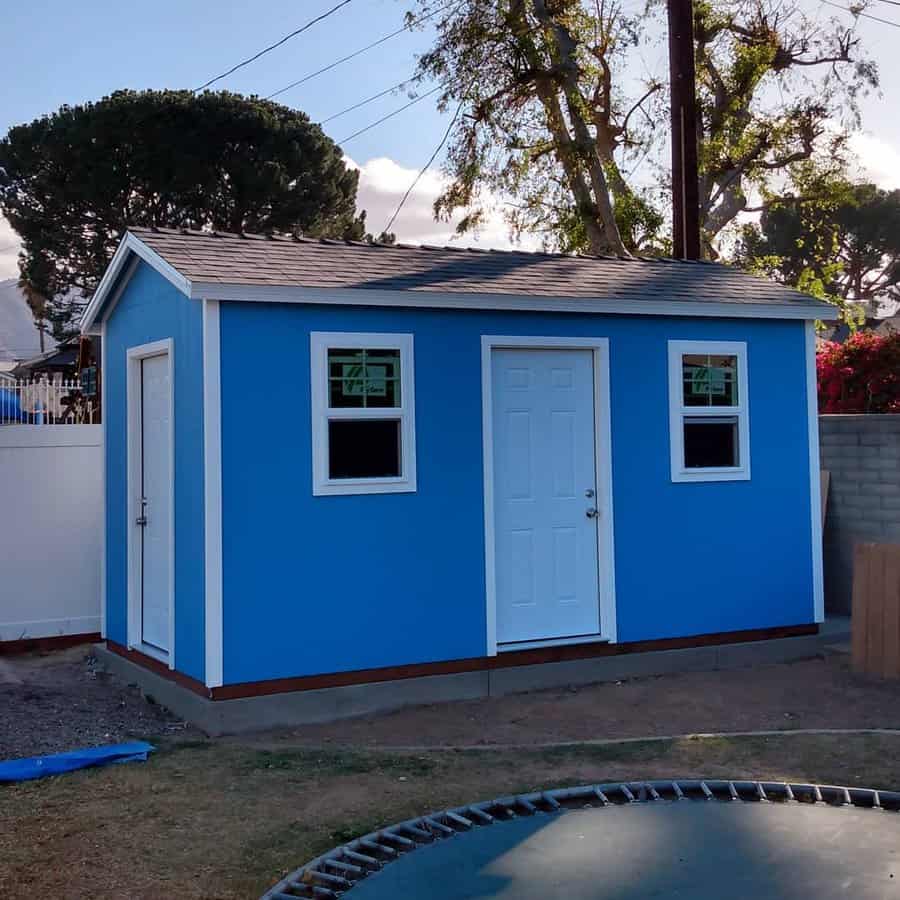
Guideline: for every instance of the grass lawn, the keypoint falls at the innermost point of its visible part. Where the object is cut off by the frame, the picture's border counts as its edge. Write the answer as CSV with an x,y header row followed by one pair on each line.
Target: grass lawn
x,y
224,819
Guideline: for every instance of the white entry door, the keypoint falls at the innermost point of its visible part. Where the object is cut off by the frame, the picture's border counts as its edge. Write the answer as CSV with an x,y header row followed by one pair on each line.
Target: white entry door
x,y
154,505
545,530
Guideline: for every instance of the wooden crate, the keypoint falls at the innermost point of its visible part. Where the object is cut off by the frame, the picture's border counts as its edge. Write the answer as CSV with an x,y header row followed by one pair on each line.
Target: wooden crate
x,y
876,610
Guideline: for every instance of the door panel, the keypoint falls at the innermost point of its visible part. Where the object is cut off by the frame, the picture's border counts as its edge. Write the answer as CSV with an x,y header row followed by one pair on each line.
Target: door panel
x,y
156,491
544,473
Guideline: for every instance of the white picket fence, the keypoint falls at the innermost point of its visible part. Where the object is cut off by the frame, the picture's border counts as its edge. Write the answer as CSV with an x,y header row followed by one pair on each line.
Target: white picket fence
x,y
46,401
51,522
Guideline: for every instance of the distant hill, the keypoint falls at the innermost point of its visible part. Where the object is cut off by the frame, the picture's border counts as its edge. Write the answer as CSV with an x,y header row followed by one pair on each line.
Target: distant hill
x,y
19,337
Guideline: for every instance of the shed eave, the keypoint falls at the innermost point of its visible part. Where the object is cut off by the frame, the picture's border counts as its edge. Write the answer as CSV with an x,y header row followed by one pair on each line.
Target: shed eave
x,y
513,302
129,247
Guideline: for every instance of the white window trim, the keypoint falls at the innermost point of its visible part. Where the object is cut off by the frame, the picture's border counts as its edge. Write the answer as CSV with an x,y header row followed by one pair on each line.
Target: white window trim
x,y
320,342
678,411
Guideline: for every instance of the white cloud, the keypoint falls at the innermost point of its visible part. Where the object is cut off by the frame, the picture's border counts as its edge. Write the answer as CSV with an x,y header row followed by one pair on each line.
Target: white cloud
x,y
382,184
9,250
878,160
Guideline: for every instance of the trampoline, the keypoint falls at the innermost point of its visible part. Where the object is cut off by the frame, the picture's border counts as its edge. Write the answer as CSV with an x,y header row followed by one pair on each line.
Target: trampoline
x,y
692,840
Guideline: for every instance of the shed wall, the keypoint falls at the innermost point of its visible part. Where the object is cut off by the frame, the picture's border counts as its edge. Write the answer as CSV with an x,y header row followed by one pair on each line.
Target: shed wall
x,y
152,309
328,584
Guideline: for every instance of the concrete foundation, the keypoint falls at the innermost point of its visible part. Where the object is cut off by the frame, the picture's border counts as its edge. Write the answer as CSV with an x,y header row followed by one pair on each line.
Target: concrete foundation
x,y
288,709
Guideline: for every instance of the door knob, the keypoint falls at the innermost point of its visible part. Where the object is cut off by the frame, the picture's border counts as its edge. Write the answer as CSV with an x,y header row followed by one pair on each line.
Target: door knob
x,y
592,513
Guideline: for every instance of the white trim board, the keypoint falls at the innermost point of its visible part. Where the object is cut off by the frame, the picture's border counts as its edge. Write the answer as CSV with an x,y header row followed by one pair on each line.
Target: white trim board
x,y
815,484
603,462
103,536
133,357
512,302
212,494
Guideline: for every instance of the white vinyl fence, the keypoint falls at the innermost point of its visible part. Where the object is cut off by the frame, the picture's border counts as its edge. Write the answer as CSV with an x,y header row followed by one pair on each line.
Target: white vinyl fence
x,y
51,520
46,401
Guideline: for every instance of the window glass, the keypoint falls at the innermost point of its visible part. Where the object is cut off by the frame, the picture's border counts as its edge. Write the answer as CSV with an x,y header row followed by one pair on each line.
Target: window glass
x,y
363,378
709,380
364,448
711,443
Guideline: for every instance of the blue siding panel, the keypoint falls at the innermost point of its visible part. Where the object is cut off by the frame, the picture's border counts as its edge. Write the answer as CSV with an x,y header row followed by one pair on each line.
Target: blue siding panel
x,y
152,309
327,584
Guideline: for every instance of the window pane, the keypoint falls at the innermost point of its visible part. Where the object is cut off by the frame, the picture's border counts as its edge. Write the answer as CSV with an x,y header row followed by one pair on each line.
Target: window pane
x,y
710,443
363,378
364,449
709,380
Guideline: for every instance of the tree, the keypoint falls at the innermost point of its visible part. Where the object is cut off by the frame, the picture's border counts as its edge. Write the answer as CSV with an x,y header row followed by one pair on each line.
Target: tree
x,y
844,245
549,118
72,181
776,88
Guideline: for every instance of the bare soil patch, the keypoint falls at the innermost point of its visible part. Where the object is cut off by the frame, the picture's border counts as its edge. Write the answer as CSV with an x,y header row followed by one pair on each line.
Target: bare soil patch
x,y
222,820
816,693
62,701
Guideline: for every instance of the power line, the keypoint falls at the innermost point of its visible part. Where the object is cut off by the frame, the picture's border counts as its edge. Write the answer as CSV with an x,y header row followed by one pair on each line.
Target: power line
x,y
391,115
424,17
272,47
424,168
367,100
855,12
891,2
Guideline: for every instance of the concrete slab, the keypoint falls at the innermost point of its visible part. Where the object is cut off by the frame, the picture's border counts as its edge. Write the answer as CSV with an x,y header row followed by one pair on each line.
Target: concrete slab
x,y
308,707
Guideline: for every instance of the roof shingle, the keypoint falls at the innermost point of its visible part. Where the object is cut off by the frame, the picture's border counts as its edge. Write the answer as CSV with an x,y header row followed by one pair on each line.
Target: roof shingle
x,y
217,258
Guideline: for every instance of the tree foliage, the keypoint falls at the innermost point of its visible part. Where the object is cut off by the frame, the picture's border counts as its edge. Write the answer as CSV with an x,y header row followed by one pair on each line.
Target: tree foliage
x,y
552,118
862,375
71,182
837,240
776,88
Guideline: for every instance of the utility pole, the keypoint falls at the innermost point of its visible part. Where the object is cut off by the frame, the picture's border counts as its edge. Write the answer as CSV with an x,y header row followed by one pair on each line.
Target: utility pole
x,y
685,187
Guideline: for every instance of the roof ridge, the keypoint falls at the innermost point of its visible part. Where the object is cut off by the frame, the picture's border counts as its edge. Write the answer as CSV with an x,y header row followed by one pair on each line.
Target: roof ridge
x,y
401,245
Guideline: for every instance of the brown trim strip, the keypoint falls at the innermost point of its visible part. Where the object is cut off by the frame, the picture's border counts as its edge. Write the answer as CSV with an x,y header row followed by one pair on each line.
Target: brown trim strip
x,y
158,668
48,644
501,661
451,667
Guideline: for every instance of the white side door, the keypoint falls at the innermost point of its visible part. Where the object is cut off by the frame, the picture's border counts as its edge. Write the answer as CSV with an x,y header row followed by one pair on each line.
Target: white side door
x,y
155,500
545,530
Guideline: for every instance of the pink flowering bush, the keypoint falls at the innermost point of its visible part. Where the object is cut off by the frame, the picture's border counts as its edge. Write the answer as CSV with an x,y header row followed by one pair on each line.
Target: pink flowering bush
x,y
862,375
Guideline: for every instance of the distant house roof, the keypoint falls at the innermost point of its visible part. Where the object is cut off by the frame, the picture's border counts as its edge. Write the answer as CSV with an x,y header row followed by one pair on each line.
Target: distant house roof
x,y
214,265
59,359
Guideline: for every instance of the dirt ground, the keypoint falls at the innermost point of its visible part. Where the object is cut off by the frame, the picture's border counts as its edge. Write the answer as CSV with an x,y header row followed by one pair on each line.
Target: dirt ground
x,y
62,701
227,818
222,820
817,693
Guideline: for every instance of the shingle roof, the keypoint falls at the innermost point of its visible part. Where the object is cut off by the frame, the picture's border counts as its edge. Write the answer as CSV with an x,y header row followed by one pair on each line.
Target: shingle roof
x,y
217,258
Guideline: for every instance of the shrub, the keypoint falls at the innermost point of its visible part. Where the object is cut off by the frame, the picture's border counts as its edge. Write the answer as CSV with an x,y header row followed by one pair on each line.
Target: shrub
x,y
862,375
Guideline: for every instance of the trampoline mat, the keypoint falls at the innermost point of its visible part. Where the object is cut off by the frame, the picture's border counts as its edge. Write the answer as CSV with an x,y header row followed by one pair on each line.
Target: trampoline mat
x,y
698,850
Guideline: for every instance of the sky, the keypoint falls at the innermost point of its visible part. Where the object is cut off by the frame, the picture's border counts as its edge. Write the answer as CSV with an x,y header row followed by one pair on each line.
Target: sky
x,y
57,52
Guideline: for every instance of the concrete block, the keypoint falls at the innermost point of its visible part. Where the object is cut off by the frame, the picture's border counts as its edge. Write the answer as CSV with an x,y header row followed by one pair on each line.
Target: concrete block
x,y
831,439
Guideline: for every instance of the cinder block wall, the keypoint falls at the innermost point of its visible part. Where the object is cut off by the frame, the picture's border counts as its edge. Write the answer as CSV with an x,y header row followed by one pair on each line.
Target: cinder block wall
x,y
862,453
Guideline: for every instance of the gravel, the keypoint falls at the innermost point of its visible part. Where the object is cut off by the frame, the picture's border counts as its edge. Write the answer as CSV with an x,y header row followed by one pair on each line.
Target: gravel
x,y
63,701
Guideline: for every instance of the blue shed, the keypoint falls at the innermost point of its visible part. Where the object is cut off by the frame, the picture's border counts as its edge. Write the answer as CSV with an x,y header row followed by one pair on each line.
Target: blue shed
x,y
333,463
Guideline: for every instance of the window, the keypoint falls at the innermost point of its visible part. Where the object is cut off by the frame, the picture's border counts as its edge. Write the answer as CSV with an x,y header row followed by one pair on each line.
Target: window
x,y
709,428
363,429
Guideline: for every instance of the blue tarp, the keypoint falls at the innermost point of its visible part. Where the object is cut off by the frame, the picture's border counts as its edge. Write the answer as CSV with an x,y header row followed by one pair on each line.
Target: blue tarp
x,y
58,763
10,410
